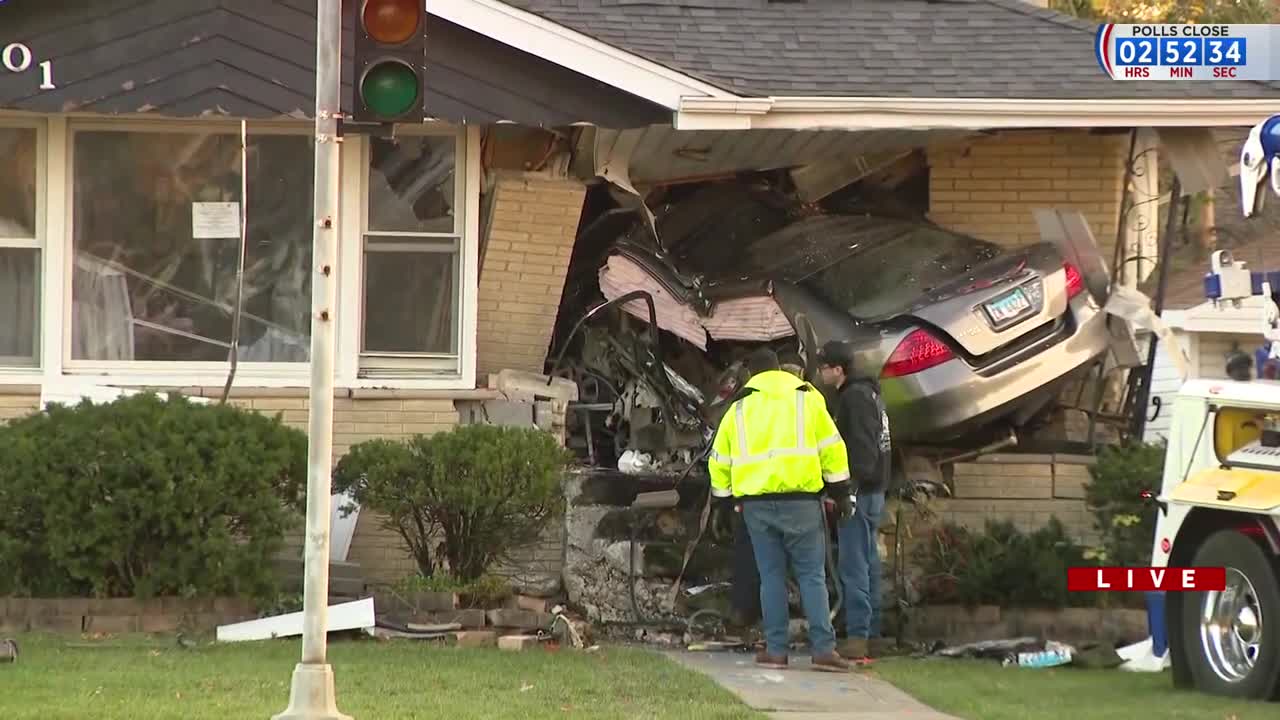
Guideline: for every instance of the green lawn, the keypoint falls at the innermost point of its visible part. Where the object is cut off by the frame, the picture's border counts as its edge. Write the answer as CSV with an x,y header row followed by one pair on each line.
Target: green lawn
x,y
983,690
57,679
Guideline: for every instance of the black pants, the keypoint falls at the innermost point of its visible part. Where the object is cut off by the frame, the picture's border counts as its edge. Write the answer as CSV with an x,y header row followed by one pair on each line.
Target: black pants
x,y
745,595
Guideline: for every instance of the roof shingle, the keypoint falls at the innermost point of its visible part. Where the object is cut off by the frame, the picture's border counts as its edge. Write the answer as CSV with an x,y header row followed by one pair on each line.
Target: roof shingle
x,y
870,48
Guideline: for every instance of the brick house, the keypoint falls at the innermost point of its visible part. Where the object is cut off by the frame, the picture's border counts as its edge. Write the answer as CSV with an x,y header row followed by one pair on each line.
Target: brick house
x,y
534,101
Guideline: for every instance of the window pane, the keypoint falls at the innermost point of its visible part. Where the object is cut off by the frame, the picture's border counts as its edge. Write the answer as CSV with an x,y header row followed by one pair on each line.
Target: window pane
x,y
411,184
145,288
17,183
410,302
19,308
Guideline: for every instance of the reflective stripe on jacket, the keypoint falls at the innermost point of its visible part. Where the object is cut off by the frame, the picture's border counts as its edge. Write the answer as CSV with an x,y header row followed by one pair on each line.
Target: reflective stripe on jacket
x,y
777,440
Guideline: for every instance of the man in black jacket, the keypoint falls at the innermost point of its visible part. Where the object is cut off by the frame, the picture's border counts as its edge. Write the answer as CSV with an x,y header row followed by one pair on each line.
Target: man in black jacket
x,y
859,412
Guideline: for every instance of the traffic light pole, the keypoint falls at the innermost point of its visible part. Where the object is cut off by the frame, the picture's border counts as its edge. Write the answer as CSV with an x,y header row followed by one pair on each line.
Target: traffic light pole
x,y
312,695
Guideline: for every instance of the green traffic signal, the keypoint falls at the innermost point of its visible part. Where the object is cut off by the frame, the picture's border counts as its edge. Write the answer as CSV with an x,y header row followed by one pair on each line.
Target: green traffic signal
x,y
390,89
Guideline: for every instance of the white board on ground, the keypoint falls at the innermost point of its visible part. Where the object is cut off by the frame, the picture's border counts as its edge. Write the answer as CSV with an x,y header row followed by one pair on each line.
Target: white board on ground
x,y
347,616
342,527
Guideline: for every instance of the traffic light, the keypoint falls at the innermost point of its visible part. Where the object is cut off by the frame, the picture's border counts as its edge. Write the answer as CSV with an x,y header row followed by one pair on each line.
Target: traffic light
x,y
390,61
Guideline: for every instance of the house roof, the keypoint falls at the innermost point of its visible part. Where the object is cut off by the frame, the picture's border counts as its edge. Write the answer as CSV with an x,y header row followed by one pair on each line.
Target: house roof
x,y
870,48
256,59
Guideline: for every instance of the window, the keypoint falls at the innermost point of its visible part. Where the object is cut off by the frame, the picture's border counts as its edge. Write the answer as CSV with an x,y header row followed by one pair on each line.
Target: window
x,y
155,246
19,247
412,256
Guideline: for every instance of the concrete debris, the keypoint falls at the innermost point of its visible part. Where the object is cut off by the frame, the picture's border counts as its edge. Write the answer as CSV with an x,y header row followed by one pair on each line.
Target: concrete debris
x,y
636,463
526,602
476,639
519,619
517,643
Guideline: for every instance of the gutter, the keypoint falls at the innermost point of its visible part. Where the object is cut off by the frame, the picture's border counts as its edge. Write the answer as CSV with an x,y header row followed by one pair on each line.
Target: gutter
x,y
878,113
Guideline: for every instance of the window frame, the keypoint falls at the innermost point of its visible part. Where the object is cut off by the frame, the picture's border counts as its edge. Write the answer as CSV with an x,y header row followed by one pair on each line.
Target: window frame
x,y
11,365
456,368
174,372
55,227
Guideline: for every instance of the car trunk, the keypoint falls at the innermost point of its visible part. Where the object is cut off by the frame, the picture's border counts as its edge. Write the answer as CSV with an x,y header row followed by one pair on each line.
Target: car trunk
x,y
1000,302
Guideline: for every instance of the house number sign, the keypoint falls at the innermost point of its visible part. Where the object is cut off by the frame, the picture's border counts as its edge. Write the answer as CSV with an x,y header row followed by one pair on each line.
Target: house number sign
x,y
18,58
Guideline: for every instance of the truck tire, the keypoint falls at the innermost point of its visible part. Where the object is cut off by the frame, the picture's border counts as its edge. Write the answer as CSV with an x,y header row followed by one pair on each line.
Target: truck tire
x,y
1232,638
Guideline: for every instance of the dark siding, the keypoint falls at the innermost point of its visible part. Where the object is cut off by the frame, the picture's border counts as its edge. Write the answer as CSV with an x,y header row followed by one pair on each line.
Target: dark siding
x,y
256,59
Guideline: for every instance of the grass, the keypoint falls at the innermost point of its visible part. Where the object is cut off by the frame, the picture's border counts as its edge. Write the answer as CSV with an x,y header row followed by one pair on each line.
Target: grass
x,y
131,678
983,690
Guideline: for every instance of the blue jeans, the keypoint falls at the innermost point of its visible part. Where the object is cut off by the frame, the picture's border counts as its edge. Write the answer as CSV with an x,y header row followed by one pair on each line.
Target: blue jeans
x,y
859,565
782,531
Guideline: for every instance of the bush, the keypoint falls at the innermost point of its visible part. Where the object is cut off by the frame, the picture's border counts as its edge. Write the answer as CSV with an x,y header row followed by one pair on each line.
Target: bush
x,y
479,490
1126,522
146,496
487,591
1001,566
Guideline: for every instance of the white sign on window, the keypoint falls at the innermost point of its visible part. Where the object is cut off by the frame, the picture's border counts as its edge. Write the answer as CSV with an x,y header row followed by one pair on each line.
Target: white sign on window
x,y
215,220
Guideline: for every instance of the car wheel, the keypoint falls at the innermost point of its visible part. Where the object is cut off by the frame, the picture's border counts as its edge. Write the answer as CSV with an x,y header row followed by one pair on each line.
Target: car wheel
x,y
1232,636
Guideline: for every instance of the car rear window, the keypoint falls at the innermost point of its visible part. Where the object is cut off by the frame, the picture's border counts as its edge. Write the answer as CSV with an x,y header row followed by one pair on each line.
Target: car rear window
x,y
887,278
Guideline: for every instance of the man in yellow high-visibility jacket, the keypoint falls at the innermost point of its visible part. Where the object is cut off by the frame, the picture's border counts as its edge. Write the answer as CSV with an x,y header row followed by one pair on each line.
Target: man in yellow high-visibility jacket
x,y
775,451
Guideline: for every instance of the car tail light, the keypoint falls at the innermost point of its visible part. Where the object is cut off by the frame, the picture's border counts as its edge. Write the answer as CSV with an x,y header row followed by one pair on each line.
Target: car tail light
x,y
1075,283
917,351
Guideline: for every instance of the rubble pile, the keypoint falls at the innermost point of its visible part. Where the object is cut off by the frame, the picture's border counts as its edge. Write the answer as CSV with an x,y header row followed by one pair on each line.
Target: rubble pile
x,y
622,587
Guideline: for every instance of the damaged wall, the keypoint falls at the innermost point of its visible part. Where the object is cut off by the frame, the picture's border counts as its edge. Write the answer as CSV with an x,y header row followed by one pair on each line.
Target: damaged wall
x,y
523,265
989,188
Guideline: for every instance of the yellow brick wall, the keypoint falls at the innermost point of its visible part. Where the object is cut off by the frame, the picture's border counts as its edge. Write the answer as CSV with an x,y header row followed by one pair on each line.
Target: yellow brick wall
x,y
17,401
534,222
989,188
1026,490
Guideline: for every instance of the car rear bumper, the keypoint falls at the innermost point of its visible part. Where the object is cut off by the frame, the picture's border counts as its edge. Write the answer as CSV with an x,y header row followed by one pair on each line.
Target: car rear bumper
x,y
950,399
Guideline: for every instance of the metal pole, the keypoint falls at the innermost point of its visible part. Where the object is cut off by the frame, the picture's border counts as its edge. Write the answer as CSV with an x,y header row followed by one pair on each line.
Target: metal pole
x,y
244,240
312,695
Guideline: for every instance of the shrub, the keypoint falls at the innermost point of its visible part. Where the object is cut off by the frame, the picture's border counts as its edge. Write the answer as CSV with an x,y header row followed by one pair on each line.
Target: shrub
x,y
487,591
146,496
1126,522
1000,566
479,490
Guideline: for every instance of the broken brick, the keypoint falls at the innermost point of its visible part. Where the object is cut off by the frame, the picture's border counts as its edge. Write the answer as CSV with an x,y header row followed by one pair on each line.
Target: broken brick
x,y
475,638
517,643
519,619
524,602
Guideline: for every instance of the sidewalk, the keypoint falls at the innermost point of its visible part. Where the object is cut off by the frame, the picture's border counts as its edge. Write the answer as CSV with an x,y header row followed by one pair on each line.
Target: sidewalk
x,y
802,694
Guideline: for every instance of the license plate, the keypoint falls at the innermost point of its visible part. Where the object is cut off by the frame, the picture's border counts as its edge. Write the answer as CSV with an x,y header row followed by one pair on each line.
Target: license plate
x,y
1009,306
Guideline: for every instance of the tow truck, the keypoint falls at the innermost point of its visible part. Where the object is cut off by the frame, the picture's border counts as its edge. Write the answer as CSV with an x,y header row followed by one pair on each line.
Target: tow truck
x,y
1219,502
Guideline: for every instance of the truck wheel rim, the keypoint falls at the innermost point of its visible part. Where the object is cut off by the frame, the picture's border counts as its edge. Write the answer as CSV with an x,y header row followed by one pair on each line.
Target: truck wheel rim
x,y
1231,628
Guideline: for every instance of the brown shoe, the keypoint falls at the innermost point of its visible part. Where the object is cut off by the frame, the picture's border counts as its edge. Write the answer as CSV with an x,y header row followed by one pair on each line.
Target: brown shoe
x,y
771,662
854,648
831,662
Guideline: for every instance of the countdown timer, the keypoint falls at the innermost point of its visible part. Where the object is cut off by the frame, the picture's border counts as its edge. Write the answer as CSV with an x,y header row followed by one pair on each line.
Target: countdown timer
x,y
1186,52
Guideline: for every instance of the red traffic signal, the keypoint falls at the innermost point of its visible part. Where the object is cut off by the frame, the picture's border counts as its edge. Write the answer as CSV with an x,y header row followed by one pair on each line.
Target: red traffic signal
x,y
392,22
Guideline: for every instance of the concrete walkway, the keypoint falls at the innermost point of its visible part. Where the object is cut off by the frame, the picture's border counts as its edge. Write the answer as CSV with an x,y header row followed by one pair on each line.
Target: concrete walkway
x,y
799,693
